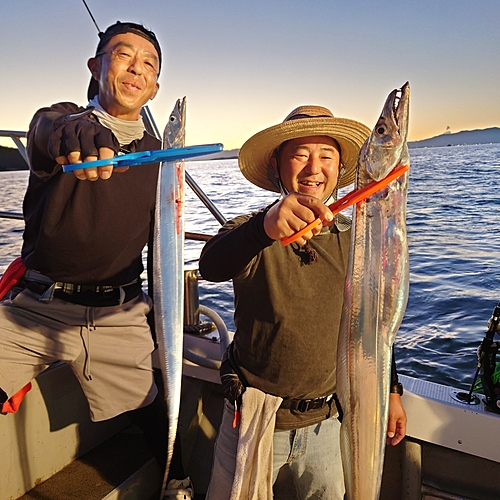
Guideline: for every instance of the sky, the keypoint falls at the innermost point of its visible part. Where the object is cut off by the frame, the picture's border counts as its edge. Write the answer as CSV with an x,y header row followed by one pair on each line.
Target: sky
x,y
245,64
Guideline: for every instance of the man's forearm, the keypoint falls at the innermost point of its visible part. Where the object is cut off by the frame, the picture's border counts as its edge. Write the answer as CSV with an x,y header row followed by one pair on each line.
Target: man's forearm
x,y
231,250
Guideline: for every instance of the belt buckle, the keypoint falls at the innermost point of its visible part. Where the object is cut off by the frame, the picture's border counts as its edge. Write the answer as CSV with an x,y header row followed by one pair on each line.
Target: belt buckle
x,y
303,405
311,404
67,288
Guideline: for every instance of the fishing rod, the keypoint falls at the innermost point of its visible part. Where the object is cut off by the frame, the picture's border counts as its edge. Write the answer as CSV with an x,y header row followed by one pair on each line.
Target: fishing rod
x,y
487,359
92,17
153,129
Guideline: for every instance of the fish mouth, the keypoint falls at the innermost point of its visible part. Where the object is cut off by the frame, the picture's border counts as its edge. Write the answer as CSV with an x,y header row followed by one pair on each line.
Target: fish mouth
x,y
400,105
395,105
174,133
387,141
393,122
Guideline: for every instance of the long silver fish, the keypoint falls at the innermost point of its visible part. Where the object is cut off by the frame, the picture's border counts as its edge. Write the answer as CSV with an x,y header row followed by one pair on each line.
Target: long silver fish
x,y
376,293
168,265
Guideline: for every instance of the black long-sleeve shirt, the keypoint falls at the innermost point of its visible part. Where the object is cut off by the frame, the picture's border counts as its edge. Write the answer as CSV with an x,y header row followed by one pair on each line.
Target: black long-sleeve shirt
x,y
287,312
82,232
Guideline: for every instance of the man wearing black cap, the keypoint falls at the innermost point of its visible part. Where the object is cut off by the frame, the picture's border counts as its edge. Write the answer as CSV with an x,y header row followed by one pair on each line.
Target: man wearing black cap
x,y
80,299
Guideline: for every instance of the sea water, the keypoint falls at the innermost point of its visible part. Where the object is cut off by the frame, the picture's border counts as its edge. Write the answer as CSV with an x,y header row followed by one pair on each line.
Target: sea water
x,y
453,237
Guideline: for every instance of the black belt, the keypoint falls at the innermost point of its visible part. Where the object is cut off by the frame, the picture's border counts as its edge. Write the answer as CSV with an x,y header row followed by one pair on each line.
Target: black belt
x,y
98,295
91,296
70,288
303,405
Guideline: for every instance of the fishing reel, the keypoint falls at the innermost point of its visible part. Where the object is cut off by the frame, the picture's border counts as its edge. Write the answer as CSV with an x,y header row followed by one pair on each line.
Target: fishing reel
x,y
487,369
494,321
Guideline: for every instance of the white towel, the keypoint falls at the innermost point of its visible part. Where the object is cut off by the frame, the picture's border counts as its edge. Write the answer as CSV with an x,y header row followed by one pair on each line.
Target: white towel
x,y
254,462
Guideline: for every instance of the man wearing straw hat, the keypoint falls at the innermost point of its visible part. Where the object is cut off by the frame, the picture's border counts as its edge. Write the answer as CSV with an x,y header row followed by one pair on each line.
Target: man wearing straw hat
x,y
288,302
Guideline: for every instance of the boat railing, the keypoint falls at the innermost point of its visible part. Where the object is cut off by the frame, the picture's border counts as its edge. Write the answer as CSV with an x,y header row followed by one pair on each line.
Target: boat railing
x,y
16,138
191,289
152,128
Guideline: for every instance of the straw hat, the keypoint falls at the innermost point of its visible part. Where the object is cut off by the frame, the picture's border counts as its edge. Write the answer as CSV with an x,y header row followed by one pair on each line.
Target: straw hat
x,y
255,155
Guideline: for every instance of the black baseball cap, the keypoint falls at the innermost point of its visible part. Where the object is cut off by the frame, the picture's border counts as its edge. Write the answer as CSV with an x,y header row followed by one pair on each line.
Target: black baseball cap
x,y
117,29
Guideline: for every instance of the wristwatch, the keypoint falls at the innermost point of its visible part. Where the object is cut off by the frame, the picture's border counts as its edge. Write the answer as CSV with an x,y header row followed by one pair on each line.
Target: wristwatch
x,y
397,388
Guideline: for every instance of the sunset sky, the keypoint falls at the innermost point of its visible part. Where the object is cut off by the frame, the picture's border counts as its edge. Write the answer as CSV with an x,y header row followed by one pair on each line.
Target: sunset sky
x,y
244,65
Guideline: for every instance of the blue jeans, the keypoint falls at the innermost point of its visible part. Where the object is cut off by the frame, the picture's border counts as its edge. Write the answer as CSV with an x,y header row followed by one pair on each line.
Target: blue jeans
x,y
311,453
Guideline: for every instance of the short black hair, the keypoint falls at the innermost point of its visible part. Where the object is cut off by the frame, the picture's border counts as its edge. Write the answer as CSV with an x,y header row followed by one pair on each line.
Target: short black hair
x,y
117,29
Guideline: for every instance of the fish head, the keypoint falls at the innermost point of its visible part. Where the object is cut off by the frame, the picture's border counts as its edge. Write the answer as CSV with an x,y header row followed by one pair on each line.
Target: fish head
x,y
386,146
174,133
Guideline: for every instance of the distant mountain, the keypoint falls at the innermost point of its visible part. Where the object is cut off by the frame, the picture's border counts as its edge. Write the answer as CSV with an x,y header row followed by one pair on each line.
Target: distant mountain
x,y
11,159
486,136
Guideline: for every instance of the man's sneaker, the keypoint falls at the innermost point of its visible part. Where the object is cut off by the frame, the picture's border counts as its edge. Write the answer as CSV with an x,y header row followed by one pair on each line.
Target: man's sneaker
x,y
179,490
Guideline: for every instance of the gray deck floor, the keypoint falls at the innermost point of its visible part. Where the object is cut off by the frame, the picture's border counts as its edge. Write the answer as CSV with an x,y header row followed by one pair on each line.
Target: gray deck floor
x,y
97,473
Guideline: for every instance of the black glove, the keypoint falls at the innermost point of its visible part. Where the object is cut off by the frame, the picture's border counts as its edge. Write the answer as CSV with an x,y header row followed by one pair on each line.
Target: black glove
x,y
231,384
79,132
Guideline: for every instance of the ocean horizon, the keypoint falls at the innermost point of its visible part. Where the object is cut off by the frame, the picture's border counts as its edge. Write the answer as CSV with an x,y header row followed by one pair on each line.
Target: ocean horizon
x,y
453,239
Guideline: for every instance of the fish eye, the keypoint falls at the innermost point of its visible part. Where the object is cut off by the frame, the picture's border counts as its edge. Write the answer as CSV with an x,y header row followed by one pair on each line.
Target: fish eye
x,y
381,130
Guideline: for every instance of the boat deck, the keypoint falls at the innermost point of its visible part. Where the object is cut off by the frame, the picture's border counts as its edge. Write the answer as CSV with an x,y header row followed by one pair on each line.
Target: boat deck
x,y
52,449
106,472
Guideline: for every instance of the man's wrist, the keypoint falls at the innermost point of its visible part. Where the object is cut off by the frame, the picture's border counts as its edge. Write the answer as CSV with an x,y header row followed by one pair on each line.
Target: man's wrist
x,y
397,388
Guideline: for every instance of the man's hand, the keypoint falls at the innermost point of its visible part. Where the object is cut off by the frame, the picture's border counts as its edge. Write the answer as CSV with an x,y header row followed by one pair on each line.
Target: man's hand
x,y
293,213
396,426
78,138
91,174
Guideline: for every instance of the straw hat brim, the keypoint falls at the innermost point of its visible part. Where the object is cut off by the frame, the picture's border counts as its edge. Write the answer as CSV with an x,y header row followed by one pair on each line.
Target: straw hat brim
x,y
254,158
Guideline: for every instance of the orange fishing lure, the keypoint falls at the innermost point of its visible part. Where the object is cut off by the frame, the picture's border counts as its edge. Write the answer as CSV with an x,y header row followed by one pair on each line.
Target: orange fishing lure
x,y
350,199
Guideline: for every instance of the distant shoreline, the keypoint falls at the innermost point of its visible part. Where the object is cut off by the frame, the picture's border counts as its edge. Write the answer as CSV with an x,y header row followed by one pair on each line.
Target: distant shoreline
x,y
464,138
11,160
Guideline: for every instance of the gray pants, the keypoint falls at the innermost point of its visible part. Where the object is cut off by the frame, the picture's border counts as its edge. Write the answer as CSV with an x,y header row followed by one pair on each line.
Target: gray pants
x,y
108,348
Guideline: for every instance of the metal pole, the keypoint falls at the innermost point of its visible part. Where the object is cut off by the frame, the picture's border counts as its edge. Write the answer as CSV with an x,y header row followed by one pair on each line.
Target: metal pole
x,y
204,199
412,470
153,129
188,235
11,215
14,135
